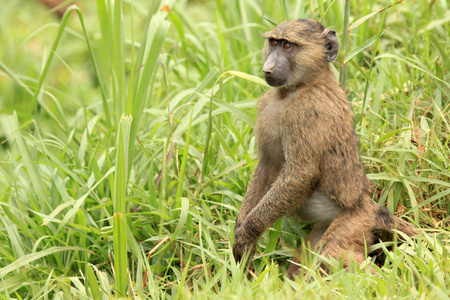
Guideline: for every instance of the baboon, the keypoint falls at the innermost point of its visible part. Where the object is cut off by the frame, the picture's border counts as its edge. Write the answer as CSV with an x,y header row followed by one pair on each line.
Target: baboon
x,y
309,165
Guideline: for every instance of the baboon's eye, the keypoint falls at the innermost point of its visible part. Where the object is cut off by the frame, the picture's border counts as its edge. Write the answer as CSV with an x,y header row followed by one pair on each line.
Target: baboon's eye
x,y
287,45
274,42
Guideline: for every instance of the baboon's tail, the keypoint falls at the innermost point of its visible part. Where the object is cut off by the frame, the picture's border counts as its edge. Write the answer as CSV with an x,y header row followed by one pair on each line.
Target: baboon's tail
x,y
385,221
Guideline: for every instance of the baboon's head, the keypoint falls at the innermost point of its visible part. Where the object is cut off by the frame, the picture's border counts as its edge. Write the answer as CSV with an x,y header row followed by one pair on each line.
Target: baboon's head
x,y
297,51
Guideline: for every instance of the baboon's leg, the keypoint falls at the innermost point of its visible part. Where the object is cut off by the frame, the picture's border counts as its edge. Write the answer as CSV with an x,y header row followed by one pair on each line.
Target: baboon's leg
x,y
311,242
348,236
385,221
352,232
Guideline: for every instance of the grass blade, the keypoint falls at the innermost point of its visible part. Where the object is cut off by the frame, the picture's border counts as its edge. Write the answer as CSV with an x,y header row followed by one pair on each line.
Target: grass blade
x,y
120,255
93,287
121,173
28,258
344,45
49,60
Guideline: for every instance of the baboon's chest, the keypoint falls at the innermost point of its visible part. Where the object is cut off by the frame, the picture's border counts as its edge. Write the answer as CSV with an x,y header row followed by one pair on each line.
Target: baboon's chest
x,y
269,130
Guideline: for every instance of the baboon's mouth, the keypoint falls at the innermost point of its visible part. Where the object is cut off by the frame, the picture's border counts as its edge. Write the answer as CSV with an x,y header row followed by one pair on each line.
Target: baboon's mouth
x,y
274,81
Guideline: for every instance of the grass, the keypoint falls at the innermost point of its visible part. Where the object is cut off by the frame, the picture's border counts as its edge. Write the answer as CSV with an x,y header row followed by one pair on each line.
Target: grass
x,y
128,146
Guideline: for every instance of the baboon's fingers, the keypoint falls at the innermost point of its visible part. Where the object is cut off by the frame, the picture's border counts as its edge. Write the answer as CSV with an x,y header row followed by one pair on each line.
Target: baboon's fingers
x,y
237,254
240,251
243,244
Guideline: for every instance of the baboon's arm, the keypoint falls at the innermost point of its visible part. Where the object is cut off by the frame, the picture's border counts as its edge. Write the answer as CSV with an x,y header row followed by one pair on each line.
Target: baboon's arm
x,y
294,184
258,187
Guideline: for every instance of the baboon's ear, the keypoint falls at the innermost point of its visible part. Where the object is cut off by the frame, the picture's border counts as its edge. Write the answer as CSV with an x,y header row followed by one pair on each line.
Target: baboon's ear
x,y
331,44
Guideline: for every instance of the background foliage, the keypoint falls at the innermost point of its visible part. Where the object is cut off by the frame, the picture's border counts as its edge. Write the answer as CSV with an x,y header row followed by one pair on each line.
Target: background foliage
x,y
128,144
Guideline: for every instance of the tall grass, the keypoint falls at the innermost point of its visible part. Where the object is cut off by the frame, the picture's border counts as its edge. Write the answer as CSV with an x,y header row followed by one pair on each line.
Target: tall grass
x,y
128,147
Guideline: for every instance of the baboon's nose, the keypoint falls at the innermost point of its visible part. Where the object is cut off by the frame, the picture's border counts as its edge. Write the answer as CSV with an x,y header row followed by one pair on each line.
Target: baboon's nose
x,y
268,68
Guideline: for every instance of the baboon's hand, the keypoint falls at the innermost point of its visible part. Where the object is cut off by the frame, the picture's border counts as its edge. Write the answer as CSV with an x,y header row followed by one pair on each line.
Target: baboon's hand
x,y
242,244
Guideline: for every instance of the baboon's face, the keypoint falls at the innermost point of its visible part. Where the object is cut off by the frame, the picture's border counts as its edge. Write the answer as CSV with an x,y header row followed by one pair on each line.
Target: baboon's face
x,y
297,51
279,62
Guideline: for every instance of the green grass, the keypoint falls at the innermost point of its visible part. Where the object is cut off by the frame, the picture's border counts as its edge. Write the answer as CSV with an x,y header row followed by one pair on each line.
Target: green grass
x,y
128,145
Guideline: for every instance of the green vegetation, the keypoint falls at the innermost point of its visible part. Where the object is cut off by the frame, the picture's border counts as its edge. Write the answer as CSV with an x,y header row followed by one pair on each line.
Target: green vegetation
x,y
128,147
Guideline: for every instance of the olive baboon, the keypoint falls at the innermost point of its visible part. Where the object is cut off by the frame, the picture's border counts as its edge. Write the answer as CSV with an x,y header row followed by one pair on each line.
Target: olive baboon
x,y
309,164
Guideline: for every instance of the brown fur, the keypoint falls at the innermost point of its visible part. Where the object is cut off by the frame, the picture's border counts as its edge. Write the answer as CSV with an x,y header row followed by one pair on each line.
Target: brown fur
x,y
309,163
